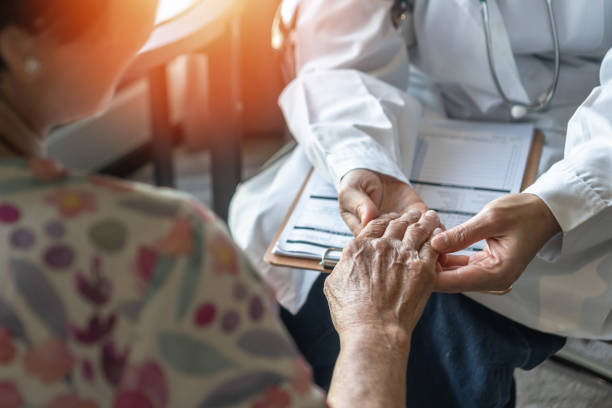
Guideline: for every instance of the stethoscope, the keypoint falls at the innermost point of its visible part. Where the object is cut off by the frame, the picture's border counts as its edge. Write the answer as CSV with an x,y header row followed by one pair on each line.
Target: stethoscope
x,y
518,110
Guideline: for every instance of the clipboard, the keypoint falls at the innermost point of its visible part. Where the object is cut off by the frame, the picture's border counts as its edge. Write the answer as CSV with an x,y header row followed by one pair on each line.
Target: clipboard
x,y
326,265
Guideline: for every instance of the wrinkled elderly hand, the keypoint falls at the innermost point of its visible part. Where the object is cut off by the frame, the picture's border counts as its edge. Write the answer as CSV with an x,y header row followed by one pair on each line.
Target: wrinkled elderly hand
x,y
381,285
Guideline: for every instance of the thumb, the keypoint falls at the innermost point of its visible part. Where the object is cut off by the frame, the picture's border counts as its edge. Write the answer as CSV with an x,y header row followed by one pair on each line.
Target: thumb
x,y
359,198
367,211
359,206
462,236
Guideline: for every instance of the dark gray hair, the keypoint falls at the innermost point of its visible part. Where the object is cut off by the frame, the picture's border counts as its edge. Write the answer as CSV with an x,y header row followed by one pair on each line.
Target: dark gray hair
x,y
69,18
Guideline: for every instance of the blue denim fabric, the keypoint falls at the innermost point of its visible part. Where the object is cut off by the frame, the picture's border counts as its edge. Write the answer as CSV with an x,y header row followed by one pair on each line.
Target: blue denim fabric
x,y
463,354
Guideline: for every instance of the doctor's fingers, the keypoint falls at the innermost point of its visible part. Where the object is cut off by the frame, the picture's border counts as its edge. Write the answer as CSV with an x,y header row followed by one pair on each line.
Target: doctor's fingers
x,y
474,278
359,204
416,234
352,222
448,261
462,236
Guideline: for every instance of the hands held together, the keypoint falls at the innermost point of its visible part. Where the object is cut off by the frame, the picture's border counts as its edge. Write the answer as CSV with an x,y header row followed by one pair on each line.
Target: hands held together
x,y
515,228
379,289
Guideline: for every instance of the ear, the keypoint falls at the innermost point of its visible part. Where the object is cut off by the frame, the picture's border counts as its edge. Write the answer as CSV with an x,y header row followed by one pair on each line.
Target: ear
x,y
17,49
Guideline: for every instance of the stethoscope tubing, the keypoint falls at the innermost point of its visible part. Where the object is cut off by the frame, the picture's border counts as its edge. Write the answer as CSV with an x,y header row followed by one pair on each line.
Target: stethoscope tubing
x,y
519,109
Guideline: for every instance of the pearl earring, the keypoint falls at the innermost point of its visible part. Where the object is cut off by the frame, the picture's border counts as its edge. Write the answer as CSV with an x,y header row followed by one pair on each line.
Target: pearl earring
x,y
31,66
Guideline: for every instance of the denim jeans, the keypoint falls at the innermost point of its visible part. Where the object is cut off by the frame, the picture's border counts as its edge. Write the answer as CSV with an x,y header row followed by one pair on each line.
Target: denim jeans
x,y
462,355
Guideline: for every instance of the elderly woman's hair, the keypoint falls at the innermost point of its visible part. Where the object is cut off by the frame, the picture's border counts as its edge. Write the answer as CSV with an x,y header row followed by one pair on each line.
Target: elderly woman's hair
x,y
68,18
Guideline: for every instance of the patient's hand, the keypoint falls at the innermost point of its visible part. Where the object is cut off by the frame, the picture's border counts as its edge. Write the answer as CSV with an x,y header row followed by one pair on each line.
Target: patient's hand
x,y
379,289
365,195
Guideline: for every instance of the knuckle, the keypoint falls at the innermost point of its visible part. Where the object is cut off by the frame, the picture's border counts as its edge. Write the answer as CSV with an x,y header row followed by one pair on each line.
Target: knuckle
x,y
461,234
392,216
379,222
381,245
357,245
354,245
417,265
417,229
398,222
414,214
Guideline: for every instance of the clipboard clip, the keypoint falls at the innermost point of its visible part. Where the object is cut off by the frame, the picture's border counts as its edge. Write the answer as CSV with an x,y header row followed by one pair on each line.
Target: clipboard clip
x,y
328,263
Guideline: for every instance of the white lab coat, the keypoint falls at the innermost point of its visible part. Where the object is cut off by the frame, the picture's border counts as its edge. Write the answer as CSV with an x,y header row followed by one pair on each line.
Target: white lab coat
x,y
352,106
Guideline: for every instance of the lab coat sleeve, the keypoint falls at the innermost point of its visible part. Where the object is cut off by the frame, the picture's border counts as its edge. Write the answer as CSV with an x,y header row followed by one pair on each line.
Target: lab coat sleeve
x,y
578,189
347,107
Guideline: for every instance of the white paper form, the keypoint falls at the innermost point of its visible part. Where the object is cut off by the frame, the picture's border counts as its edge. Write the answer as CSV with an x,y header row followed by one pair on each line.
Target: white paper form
x,y
459,167
315,224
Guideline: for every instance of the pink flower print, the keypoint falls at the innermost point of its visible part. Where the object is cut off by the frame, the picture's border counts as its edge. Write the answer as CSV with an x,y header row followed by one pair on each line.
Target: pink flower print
x,y
71,203
274,397
50,361
96,330
132,399
97,289
10,397
70,401
225,256
111,183
47,169
179,240
302,376
7,348
9,214
145,266
87,370
205,314
113,362
149,379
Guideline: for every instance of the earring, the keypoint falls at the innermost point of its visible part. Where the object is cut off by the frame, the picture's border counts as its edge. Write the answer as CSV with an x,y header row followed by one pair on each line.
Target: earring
x,y
31,66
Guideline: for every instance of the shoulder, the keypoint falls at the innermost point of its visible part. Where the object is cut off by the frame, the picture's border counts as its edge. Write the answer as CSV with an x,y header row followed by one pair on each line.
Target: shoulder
x,y
100,213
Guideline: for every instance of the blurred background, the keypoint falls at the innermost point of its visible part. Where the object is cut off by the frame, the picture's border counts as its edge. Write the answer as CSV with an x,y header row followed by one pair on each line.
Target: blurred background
x,y
127,124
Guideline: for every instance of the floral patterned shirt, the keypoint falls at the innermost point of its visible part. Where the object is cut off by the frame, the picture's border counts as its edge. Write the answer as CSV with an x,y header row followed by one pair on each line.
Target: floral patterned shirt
x,y
121,295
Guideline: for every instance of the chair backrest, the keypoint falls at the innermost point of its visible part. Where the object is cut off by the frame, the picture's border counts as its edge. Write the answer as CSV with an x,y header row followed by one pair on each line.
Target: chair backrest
x,y
262,78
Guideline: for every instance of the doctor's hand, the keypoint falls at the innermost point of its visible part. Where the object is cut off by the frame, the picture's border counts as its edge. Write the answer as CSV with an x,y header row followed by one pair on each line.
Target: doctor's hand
x,y
365,195
515,227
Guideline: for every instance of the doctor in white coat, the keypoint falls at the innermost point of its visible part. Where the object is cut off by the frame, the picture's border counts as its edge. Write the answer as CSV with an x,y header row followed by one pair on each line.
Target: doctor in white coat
x,y
361,86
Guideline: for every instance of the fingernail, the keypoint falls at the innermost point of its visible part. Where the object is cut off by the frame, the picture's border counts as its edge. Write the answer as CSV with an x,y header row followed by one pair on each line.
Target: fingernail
x,y
431,213
438,231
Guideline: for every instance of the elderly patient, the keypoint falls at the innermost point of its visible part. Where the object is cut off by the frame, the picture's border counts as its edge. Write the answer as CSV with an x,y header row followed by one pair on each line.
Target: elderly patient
x,y
117,294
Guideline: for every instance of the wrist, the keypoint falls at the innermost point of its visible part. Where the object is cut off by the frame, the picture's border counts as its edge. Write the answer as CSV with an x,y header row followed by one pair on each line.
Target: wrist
x,y
378,344
550,224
